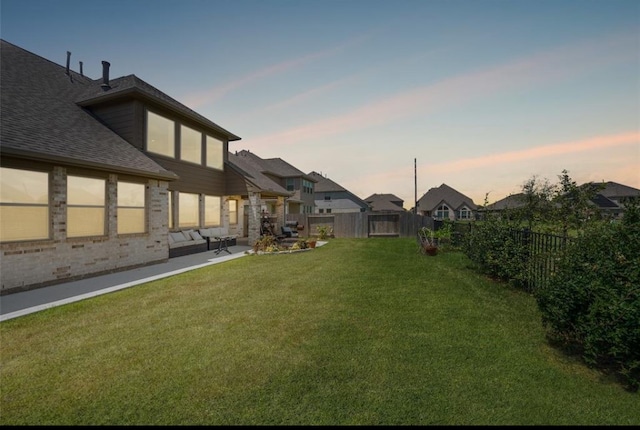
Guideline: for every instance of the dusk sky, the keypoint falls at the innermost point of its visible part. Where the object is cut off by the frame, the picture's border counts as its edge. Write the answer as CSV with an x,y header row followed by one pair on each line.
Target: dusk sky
x,y
485,94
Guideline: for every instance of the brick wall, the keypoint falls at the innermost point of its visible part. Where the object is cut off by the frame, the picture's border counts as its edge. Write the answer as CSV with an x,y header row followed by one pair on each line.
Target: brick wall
x,y
26,265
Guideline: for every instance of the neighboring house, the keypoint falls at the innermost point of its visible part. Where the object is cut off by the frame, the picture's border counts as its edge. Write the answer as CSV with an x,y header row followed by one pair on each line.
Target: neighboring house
x,y
444,202
618,193
385,203
609,200
94,173
512,201
333,198
297,183
259,194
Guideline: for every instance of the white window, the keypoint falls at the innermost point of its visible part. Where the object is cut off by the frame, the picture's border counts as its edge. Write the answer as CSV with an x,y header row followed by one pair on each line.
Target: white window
x,y
465,213
442,212
160,135
211,211
85,206
215,153
188,210
131,208
24,205
190,145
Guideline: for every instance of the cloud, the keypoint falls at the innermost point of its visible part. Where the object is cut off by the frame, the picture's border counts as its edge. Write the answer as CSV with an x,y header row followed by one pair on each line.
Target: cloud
x,y
202,98
551,66
544,151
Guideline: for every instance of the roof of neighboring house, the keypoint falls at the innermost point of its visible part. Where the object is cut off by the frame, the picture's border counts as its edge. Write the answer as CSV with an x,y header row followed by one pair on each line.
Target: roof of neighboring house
x,y
603,202
512,201
385,202
248,170
273,166
326,185
40,119
613,190
444,193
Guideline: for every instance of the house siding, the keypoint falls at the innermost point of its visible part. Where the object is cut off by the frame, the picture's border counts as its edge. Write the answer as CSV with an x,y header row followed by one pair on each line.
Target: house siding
x,y
122,119
27,265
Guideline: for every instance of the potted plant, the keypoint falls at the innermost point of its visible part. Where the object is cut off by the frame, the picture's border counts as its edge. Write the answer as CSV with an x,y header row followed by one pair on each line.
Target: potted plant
x,y
428,243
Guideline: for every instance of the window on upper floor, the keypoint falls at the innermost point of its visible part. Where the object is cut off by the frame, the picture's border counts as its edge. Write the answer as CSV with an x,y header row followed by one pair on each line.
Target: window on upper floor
x,y
131,208
307,186
328,210
24,204
290,184
215,153
327,198
442,212
160,135
85,206
190,145
211,211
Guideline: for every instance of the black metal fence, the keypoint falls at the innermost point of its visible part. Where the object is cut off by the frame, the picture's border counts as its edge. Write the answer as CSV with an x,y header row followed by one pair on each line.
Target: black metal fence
x,y
541,253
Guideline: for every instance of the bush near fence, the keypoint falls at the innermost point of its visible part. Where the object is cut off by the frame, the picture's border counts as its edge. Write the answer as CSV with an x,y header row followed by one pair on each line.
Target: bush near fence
x,y
587,288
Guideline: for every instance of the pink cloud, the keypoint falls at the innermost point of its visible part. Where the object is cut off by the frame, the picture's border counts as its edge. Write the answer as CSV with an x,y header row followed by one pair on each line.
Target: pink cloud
x,y
585,145
558,64
202,98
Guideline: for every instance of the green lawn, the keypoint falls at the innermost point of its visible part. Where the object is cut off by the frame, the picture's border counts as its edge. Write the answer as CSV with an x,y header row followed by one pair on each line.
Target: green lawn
x,y
359,331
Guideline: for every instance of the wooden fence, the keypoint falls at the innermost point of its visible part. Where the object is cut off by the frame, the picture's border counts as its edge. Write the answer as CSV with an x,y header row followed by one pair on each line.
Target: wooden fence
x,y
363,224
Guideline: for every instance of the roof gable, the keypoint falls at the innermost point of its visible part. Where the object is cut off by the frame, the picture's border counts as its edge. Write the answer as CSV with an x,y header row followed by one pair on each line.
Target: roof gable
x,y
444,193
40,119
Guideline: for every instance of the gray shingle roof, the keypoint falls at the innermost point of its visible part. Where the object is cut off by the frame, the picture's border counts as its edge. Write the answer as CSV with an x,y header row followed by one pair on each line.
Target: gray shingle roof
x,y
40,119
385,202
615,190
512,201
274,166
444,193
324,184
253,174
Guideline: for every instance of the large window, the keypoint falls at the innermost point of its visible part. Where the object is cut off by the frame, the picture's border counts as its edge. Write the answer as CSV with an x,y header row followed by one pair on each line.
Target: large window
x,y
307,186
442,212
465,213
215,153
211,211
24,205
290,184
160,135
131,208
85,206
188,210
190,145
233,212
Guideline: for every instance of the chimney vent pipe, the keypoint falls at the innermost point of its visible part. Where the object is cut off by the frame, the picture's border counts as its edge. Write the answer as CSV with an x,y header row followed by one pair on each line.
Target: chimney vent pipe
x,y
68,59
105,75
81,69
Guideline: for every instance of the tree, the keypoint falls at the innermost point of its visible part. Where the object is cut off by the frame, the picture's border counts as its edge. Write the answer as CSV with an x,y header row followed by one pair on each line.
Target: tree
x,y
573,203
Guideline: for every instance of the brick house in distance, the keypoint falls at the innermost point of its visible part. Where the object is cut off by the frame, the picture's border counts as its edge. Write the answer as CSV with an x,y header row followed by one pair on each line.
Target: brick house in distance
x,y
95,173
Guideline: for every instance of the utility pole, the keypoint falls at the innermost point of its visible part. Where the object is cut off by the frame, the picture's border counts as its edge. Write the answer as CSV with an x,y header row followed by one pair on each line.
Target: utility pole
x,y
415,187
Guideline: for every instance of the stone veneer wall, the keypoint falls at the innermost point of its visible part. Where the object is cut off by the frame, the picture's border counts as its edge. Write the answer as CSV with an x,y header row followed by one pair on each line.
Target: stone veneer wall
x,y
26,265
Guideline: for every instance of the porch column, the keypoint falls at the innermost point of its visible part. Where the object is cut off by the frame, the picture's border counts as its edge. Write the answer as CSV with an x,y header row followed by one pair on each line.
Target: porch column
x,y
253,234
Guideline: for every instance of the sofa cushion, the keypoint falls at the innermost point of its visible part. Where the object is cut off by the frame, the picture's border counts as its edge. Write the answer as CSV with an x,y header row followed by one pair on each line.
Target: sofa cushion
x,y
187,234
178,237
195,235
206,232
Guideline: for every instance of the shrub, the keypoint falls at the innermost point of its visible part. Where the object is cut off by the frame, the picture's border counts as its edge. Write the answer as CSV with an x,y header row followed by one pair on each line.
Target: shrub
x,y
592,302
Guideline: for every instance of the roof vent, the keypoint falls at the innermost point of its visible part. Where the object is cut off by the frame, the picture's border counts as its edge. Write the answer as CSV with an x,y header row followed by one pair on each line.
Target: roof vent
x,y
105,75
81,68
68,59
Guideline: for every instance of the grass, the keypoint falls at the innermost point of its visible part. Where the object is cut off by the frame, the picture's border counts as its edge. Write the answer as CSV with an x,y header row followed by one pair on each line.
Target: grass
x,y
357,332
